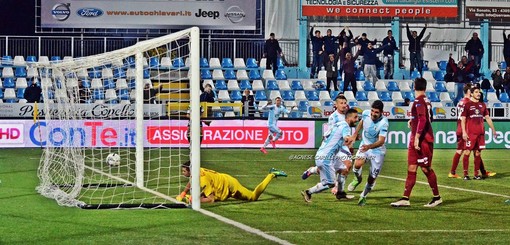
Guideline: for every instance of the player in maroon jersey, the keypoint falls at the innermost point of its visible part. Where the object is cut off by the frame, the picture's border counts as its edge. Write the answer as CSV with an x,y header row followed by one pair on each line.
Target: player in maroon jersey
x,y
473,131
460,141
421,146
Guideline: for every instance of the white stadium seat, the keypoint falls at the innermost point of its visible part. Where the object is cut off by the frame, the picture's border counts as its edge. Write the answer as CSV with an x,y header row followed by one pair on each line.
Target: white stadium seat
x,y
308,85
19,61
233,85
210,82
242,75
21,82
96,83
273,94
32,72
268,75
349,95
239,63
214,63
283,85
217,75
121,83
300,95
258,85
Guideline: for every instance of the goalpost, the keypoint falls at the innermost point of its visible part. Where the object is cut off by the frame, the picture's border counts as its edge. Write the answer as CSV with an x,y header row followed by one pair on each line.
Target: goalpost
x,y
94,107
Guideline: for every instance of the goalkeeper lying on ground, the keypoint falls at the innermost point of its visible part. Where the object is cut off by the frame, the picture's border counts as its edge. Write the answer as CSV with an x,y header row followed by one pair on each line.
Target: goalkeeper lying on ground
x,y
219,186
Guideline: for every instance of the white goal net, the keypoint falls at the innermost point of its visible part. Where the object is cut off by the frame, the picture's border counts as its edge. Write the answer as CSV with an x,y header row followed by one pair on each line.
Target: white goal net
x,y
114,125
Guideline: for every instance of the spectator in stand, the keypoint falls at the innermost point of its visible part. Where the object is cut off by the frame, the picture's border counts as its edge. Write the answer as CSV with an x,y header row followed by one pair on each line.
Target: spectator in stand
x,y
33,93
371,61
317,43
349,70
474,48
506,48
248,104
390,46
271,51
344,39
331,73
330,46
363,41
407,102
497,79
415,49
149,94
84,93
208,95
506,80
462,74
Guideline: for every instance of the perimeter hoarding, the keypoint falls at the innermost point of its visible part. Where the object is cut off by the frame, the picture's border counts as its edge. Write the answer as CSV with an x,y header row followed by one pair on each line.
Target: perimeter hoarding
x,y
494,10
381,8
215,14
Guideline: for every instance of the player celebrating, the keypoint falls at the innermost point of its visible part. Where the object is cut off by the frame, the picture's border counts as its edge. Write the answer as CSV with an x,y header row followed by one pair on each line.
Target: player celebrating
x,y
375,130
274,113
219,186
327,160
473,132
421,146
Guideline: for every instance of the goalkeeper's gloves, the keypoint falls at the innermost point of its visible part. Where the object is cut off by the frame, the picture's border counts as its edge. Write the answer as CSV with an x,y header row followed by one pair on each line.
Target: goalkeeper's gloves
x,y
181,196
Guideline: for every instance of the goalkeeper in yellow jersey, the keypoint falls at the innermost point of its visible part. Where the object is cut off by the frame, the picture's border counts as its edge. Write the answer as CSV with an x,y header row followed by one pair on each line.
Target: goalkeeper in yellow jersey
x,y
219,186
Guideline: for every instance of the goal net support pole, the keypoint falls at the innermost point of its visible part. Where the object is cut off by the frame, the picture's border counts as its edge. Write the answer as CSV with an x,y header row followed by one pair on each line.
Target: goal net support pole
x,y
195,118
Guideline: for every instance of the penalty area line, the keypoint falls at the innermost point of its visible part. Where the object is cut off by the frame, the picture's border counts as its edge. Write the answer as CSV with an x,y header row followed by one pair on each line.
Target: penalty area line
x,y
450,187
391,231
244,227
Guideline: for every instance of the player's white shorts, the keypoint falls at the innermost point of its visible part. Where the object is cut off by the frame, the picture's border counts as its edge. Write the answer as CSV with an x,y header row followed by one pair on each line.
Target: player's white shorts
x,y
376,161
342,155
274,129
327,170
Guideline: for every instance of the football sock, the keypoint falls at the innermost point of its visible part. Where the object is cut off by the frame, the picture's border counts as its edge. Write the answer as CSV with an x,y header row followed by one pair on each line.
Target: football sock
x,y
312,170
277,136
455,162
410,181
482,167
478,160
341,182
432,179
465,164
261,187
368,188
318,188
357,171
268,140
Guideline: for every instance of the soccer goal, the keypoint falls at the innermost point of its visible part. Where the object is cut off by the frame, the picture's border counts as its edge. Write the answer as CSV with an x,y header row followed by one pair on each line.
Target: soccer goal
x,y
113,126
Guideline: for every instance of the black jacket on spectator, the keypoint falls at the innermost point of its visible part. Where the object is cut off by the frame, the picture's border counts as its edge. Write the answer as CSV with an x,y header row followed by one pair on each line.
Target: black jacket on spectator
x,y
33,93
474,47
316,42
207,97
330,45
364,45
272,48
506,46
390,45
370,57
345,39
415,43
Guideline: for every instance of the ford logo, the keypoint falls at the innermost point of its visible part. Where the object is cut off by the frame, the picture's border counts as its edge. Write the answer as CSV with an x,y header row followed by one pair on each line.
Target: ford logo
x,y
89,12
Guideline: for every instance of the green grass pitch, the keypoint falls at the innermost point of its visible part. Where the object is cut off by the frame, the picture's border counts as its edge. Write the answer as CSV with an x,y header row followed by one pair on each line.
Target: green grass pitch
x,y
473,212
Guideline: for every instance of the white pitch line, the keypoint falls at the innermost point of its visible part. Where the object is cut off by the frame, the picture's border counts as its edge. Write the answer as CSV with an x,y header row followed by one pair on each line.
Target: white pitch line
x,y
244,227
450,187
391,231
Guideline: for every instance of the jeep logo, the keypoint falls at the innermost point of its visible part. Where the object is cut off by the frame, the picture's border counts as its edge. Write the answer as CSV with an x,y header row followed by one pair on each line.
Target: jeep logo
x,y
208,14
89,12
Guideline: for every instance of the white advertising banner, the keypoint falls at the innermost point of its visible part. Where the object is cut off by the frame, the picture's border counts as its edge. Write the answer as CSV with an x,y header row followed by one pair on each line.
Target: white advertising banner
x,y
158,133
163,14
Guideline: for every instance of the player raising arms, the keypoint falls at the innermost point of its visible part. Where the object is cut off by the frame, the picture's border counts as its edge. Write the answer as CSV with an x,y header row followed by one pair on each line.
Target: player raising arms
x,y
327,160
274,113
473,132
421,146
375,130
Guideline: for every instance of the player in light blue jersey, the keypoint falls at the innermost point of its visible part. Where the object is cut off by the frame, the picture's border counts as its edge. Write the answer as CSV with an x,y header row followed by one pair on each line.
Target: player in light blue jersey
x,y
375,130
275,111
327,159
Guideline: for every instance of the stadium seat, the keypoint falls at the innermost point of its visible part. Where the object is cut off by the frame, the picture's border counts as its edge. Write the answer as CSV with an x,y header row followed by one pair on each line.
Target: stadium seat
x,y
300,95
353,104
94,73
415,74
380,86
497,105
283,85
296,85
9,83
296,114
251,63
1,94
333,94
178,63
361,96
349,95
321,85
312,95
272,85
430,86
280,75
55,59
166,63
322,75
392,86
273,94
123,94
503,97
233,85
444,97
324,95
109,84
97,94
503,65
20,72
32,72
221,85
439,75
217,75
239,63
428,75
20,93
154,62
229,74
440,87
404,86
72,83
227,63
131,84
303,106
146,74
121,84
268,74
7,72
119,73
96,84
385,96
450,87
372,95
308,85
260,95
223,95
360,75
254,75
433,66
236,95
432,96
442,65
279,63
388,104
287,95
242,75
448,104
7,60
368,86
19,61
110,95
210,82
397,97
205,74
9,94
214,63
327,103
258,85
263,63
21,82
245,84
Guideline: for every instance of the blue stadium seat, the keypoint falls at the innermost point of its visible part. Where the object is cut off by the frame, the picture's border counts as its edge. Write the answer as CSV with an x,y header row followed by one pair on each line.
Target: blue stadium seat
x,y
154,62
449,104
245,84
385,96
503,65
227,63
119,73
112,102
109,84
368,86
361,96
55,58
265,114
334,94
51,94
251,63
341,85
7,60
254,75
497,105
31,59
433,97
9,82
409,95
95,73
360,75
328,103
85,83
321,85
204,63
178,63
236,95
439,75
260,95
146,74
217,114
131,84
229,75
123,94
503,97
272,85
415,74
20,93
303,106
296,114
205,74
280,75
392,86
1,94
353,104
296,85
20,72
279,63
440,87
442,65
221,85
98,94
287,95
312,95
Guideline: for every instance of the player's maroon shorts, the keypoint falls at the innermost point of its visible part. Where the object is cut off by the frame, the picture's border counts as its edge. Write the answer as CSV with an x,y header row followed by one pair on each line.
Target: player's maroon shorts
x,y
475,142
461,144
423,157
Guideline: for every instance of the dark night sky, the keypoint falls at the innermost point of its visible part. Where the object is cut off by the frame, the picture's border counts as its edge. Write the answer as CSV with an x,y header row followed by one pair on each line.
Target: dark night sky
x,y
17,17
